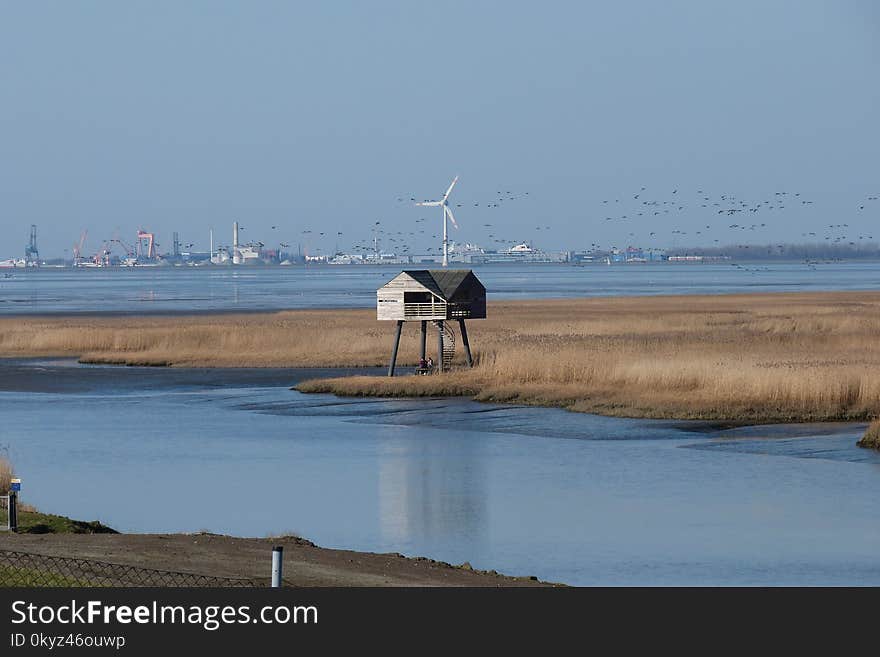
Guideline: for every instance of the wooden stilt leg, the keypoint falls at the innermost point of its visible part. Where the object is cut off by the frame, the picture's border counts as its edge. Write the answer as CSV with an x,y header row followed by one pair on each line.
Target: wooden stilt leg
x,y
424,342
396,345
467,345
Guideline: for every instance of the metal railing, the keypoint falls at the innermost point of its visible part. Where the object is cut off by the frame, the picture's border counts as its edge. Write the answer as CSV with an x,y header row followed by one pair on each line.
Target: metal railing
x,y
41,570
4,513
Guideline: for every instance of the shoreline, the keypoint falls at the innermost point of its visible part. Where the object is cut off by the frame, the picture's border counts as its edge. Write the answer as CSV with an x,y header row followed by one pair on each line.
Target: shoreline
x,y
218,555
215,555
379,387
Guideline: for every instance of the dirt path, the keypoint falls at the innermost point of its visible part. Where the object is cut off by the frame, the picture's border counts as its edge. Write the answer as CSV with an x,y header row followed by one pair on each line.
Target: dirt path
x,y
305,564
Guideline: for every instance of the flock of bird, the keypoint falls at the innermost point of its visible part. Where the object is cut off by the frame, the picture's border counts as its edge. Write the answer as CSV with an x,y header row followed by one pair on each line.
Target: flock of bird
x,y
425,234
669,214
644,218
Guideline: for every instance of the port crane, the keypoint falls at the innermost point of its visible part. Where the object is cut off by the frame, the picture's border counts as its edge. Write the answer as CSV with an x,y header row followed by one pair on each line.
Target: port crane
x,y
31,253
78,247
145,239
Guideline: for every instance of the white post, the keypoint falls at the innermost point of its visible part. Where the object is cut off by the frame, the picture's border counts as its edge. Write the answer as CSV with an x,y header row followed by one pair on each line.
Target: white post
x,y
277,553
211,252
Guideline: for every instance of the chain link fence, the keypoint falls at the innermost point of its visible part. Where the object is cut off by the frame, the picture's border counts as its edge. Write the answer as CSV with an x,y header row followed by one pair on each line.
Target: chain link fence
x,y
38,570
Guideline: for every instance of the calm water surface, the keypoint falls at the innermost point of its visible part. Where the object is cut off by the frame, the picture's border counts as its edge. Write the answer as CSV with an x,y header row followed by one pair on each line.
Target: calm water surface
x,y
183,289
567,497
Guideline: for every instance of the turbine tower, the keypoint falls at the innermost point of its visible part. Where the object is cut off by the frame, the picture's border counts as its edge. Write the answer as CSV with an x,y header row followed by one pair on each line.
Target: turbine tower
x,y
444,203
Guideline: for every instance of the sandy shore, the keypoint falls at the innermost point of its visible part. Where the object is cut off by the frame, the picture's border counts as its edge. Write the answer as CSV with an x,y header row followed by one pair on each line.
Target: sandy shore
x,y
305,564
782,357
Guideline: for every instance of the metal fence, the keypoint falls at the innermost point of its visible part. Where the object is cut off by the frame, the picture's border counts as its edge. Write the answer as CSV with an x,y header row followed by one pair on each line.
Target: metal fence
x,y
40,570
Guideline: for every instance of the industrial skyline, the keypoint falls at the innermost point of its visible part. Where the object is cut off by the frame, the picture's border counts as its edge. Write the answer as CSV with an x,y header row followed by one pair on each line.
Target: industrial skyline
x,y
297,121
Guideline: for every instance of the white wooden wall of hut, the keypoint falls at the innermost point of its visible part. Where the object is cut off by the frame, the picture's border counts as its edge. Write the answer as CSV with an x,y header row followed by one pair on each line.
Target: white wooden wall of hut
x,y
390,303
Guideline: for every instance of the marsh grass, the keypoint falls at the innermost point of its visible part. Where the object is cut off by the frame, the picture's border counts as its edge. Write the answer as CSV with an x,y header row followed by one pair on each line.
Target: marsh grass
x,y
5,474
872,436
771,357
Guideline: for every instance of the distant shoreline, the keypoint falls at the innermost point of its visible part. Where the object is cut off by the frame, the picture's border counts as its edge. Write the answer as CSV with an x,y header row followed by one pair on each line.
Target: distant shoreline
x,y
62,314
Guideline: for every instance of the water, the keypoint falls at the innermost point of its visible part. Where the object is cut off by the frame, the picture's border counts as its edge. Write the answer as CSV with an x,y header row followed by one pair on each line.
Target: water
x,y
528,491
184,289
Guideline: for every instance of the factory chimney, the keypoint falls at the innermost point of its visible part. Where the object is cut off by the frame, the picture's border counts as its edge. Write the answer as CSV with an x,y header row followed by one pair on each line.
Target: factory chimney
x,y
236,254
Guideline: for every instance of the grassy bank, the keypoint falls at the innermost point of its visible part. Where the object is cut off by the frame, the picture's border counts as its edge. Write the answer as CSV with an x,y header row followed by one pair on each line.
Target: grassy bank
x,y
285,339
872,436
767,357
31,521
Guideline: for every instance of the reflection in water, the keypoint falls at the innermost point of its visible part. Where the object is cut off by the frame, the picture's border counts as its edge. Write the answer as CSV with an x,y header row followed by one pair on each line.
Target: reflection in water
x,y
428,492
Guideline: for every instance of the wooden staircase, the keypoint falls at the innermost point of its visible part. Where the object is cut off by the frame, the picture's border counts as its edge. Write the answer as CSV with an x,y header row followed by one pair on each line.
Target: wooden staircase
x,y
448,344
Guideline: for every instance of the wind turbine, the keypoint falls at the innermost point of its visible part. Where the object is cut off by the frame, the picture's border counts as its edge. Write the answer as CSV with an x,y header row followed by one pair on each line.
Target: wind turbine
x,y
444,203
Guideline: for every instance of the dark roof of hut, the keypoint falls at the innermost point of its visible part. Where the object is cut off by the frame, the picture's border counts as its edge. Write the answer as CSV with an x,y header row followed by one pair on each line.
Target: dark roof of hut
x,y
443,282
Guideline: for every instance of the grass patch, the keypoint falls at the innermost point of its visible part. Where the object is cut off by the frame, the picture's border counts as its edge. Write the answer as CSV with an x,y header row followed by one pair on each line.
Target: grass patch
x,y
34,522
872,436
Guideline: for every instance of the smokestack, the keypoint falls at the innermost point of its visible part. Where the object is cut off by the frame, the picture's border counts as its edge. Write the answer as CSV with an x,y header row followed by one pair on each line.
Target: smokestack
x,y
236,255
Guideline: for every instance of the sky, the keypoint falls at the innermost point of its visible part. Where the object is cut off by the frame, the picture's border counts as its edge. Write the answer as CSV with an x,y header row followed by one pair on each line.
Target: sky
x,y
320,117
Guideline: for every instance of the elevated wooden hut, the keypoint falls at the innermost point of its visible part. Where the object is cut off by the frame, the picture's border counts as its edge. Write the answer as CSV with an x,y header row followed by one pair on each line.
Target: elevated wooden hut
x,y
436,296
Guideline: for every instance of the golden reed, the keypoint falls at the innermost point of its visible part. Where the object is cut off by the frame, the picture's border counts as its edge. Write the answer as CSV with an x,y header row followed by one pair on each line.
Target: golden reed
x,y
767,357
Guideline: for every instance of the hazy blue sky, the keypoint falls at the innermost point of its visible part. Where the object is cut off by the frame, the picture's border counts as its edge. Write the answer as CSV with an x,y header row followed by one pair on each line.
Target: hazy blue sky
x,y
320,115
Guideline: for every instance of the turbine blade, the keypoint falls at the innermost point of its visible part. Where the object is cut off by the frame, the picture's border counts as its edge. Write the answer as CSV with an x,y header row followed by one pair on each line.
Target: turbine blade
x,y
449,191
449,212
429,204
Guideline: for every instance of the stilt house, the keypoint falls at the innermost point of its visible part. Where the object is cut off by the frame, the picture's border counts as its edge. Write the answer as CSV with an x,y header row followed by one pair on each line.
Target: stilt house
x,y
433,295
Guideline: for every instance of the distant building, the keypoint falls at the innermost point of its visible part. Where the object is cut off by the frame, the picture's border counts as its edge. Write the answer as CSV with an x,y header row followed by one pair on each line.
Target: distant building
x,y
249,254
523,252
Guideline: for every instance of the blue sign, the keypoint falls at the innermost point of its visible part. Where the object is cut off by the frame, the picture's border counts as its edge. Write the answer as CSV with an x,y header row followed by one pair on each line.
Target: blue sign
x,y
15,485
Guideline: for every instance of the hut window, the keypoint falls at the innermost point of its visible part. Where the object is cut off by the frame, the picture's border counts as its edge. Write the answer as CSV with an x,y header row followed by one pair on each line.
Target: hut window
x,y
417,297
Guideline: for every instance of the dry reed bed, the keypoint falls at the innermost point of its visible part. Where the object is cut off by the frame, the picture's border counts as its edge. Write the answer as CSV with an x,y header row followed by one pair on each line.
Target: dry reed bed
x,y
771,357
5,475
